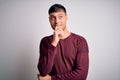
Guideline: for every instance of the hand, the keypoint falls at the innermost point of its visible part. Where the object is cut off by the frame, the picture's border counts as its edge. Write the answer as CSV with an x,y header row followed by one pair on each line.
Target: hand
x,y
58,33
47,77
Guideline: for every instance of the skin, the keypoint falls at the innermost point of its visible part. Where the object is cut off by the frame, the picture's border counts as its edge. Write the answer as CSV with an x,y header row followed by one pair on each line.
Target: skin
x,y
58,22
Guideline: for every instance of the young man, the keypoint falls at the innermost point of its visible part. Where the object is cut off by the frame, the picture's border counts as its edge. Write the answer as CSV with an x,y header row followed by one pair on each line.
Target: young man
x,y
63,55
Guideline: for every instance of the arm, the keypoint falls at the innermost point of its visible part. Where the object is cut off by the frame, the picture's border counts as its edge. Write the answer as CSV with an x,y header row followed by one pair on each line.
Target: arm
x,y
47,77
81,65
47,54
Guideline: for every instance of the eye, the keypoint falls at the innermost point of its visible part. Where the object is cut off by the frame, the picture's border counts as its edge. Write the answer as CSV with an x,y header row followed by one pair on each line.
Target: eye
x,y
60,17
52,18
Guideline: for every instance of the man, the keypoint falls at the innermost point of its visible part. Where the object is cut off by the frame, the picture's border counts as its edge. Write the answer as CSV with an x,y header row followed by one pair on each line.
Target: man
x,y
63,55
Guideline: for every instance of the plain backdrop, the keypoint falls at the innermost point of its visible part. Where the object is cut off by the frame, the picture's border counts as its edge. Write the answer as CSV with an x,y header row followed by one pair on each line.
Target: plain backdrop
x,y
23,23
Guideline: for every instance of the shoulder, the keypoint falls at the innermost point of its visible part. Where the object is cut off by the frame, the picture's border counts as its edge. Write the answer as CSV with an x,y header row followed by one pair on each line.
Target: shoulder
x,y
78,37
80,42
47,38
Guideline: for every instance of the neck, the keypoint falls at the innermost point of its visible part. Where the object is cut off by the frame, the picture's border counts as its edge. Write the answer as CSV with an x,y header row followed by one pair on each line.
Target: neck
x,y
65,34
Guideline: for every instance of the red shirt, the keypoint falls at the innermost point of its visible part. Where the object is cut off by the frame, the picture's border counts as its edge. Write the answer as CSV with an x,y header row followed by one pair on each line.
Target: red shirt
x,y
69,60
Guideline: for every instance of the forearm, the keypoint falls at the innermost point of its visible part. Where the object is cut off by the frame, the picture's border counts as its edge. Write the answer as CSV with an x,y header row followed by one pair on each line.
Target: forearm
x,y
47,77
46,59
79,72
75,75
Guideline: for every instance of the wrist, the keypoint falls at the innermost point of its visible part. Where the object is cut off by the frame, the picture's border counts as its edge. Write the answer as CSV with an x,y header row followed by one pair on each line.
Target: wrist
x,y
54,43
53,77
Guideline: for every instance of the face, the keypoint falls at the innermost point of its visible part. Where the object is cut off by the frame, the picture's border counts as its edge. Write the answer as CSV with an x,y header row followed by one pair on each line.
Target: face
x,y
58,19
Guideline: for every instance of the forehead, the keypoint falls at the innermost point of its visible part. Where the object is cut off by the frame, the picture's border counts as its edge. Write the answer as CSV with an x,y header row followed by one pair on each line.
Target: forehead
x,y
61,12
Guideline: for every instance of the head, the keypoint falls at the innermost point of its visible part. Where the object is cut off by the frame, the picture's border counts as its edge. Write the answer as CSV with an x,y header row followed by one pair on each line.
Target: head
x,y
57,16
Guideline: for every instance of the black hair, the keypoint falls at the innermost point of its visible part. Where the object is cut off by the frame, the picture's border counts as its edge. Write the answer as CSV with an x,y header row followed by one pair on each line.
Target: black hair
x,y
56,7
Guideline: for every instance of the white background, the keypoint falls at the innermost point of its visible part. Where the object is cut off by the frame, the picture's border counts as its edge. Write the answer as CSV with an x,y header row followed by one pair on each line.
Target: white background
x,y
24,22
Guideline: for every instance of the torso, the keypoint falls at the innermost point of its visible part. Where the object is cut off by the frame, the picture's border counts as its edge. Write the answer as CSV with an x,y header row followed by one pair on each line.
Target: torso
x,y
66,53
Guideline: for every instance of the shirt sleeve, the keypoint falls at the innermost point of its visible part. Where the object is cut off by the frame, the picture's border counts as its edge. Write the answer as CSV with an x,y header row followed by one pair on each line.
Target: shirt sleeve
x,y
46,59
81,64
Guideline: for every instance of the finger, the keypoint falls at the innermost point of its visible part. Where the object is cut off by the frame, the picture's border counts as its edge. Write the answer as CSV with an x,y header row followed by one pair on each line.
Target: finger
x,y
56,28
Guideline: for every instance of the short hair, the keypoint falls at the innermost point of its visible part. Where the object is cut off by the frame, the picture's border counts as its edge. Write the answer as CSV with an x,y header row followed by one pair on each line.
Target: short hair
x,y
56,8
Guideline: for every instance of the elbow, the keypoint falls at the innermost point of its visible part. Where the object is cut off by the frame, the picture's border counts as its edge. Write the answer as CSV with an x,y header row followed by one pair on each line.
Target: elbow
x,y
43,73
82,73
82,76
42,70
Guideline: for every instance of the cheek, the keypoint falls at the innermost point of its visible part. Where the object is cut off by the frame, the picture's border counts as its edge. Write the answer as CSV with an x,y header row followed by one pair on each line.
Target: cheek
x,y
52,23
64,22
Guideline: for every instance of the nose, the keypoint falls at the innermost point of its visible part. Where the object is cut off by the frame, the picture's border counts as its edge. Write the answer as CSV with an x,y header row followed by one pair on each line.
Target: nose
x,y
57,21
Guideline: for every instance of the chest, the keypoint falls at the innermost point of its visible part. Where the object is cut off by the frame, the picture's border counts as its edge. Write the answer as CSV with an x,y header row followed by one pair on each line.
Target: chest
x,y
66,50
